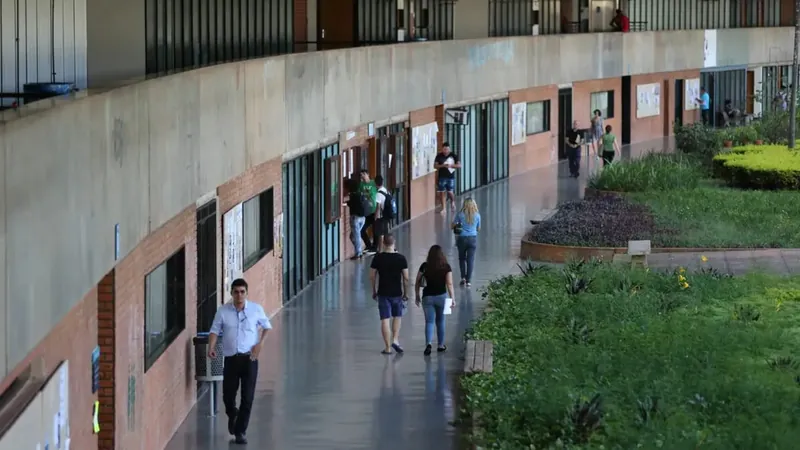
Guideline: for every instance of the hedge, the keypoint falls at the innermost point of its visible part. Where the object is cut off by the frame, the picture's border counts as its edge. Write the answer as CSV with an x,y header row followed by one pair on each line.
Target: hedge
x,y
759,167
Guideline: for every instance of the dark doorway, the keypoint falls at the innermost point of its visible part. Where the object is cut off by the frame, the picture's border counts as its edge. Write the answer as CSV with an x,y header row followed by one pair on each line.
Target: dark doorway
x,y
206,265
678,114
564,119
336,24
392,162
626,110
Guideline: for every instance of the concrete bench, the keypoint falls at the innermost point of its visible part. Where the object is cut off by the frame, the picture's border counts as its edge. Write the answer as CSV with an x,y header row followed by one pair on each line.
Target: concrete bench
x,y
478,357
543,216
636,255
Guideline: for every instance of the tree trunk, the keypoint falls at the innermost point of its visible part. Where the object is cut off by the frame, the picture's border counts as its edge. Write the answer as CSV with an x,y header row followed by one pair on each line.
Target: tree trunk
x,y
793,87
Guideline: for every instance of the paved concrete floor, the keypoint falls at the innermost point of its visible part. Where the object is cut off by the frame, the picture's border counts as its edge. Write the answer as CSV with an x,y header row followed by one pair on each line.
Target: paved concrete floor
x,y
330,388
738,262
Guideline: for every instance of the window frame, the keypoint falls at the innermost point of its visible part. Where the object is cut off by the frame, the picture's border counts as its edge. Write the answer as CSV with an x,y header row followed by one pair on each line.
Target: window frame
x,y
609,109
266,217
174,297
545,117
333,189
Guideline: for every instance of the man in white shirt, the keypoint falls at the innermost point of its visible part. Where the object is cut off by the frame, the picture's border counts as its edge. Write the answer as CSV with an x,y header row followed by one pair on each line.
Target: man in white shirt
x,y
381,226
243,326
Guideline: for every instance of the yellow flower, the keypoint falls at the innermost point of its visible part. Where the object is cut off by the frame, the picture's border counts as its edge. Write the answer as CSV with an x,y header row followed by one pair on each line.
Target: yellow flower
x,y
681,270
703,258
681,278
685,285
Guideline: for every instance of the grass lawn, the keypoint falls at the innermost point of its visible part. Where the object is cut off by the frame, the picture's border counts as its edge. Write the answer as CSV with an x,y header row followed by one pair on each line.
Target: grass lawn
x,y
710,365
724,217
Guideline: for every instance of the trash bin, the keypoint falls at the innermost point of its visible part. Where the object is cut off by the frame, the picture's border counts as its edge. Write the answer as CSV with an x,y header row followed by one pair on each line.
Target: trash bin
x,y
207,369
42,91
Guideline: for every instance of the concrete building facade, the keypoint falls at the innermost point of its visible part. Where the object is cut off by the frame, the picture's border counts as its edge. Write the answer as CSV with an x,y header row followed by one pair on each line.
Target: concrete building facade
x,y
106,240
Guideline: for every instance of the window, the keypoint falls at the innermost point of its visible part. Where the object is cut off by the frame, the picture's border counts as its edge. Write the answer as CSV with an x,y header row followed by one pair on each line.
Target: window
x,y
333,191
258,227
164,306
604,101
538,120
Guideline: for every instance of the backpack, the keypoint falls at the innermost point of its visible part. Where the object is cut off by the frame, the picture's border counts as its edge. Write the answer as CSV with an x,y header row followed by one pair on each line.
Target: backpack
x,y
354,202
367,203
389,205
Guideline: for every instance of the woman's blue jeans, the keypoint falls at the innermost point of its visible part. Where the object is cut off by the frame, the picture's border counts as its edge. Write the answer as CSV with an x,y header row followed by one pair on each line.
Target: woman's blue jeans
x,y
433,306
466,255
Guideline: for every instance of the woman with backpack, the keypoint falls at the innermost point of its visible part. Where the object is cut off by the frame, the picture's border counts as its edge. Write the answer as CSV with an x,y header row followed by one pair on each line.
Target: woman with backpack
x,y
466,226
435,278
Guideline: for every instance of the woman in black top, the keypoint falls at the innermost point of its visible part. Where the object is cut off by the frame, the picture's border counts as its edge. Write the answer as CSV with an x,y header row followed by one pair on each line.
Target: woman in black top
x,y
436,278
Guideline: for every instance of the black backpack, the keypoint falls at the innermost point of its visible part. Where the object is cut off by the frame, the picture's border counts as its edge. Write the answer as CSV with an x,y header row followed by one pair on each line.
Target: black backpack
x,y
389,206
367,203
354,202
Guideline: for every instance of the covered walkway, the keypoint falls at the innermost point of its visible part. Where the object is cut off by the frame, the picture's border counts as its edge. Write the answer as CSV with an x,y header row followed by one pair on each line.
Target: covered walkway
x,y
330,388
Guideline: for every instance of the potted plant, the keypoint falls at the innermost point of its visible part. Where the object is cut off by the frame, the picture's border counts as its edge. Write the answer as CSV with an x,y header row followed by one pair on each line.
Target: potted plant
x,y
745,134
727,137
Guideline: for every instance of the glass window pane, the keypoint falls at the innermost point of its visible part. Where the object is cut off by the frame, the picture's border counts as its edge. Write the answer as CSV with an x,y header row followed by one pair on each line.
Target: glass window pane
x,y
156,305
599,100
251,225
535,118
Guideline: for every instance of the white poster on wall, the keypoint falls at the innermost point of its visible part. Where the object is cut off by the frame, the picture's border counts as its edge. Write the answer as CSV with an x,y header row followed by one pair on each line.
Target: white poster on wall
x,y
648,100
519,124
232,248
691,88
424,147
710,48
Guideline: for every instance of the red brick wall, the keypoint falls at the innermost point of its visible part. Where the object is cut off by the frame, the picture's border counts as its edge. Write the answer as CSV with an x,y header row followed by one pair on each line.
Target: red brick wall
x,y
106,338
536,150
582,97
73,340
654,127
265,278
423,189
164,394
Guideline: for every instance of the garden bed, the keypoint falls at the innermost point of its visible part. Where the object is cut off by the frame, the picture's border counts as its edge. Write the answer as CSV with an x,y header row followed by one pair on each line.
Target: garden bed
x,y
671,201
638,360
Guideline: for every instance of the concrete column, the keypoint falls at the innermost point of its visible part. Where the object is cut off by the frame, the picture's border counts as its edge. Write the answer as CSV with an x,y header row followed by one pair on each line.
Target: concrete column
x,y
471,19
115,41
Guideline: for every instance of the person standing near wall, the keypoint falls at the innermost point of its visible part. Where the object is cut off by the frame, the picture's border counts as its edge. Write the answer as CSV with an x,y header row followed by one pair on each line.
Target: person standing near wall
x,y
597,130
384,212
239,322
357,218
446,163
704,102
368,195
574,139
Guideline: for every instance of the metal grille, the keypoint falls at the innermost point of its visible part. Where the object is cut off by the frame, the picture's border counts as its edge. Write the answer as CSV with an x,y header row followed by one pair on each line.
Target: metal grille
x,y
774,79
183,34
655,15
725,85
208,369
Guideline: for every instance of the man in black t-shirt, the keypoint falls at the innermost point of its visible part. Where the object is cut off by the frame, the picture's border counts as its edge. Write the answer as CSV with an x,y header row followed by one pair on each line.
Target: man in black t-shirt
x,y
574,139
446,163
389,279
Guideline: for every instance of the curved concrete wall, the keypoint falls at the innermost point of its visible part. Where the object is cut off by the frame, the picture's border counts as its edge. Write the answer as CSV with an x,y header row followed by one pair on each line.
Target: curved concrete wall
x,y
138,155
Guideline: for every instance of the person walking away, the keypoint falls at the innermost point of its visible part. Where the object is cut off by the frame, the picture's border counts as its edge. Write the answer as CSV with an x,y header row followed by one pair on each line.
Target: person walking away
x,y
357,218
574,140
446,163
385,212
466,226
239,322
610,146
704,101
597,130
436,276
369,192
389,279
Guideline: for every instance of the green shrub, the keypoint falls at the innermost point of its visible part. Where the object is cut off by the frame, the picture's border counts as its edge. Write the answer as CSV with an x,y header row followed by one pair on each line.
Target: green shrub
x,y
698,139
745,134
638,361
773,127
759,167
653,171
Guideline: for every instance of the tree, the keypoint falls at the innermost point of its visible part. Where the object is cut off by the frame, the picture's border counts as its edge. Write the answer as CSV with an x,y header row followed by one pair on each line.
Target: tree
x,y
793,105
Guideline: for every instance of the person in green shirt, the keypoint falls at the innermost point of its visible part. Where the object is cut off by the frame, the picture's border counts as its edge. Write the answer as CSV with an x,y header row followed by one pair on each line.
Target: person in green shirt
x,y
369,190
610,146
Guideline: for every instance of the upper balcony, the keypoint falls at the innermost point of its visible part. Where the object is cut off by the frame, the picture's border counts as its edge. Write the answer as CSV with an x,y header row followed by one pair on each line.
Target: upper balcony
x,y
97,44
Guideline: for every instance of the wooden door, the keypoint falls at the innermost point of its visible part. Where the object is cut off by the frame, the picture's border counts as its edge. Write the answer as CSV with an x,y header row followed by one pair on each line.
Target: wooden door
x,y
336,24
751,91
